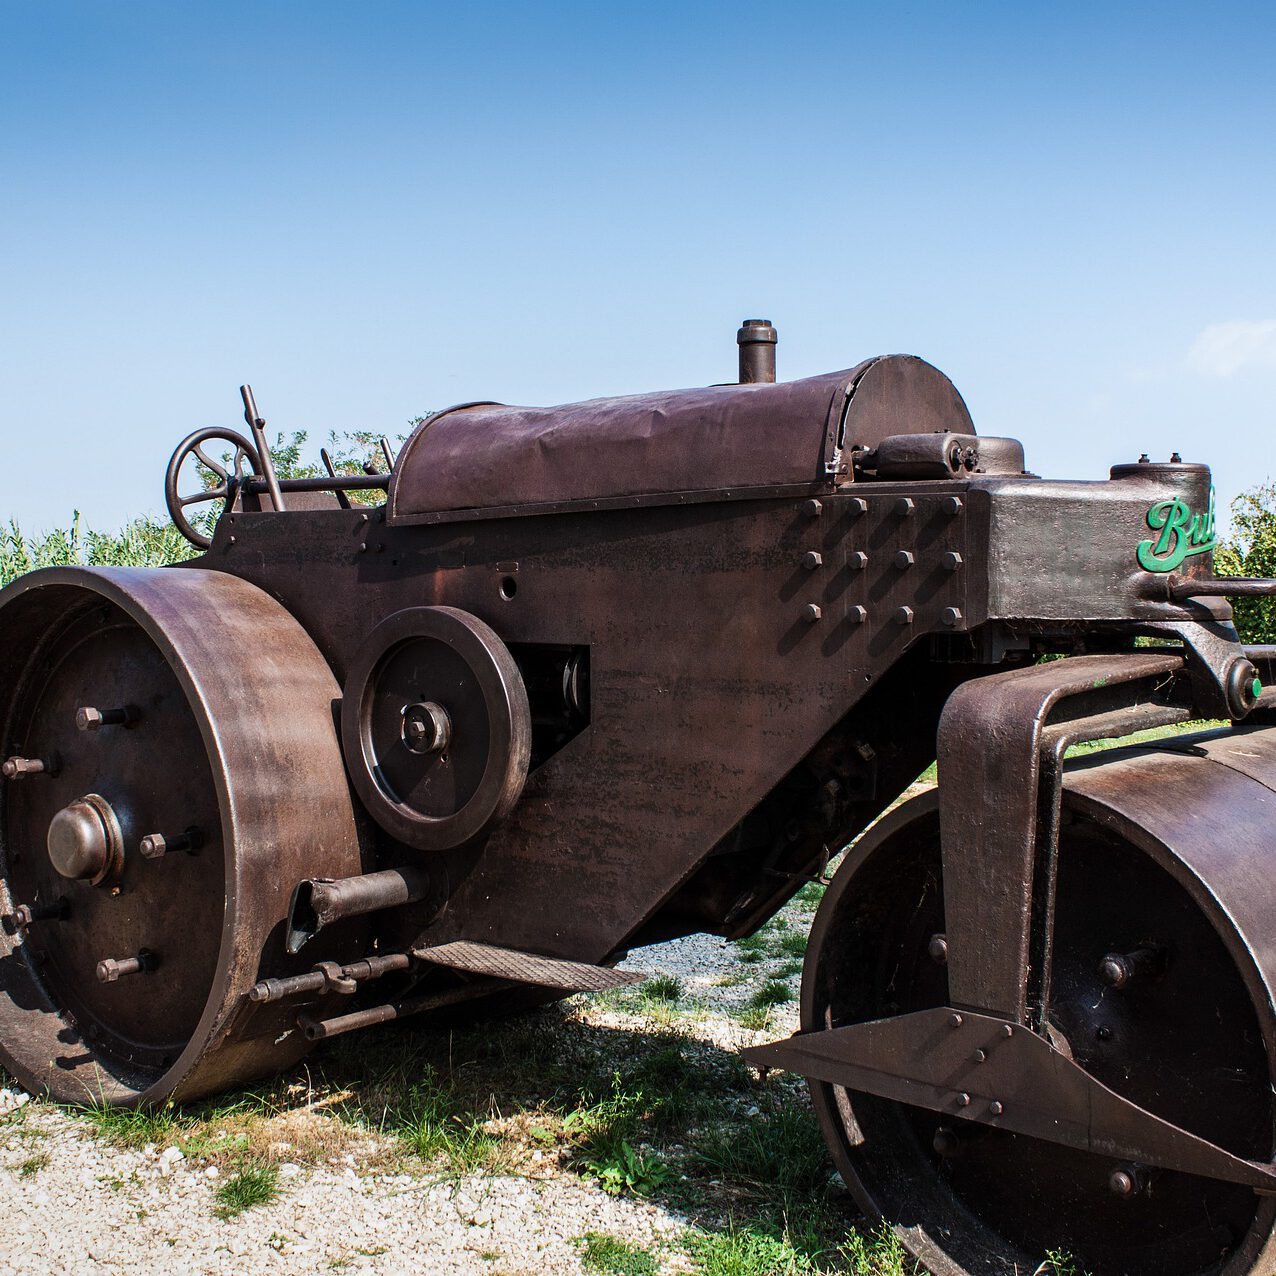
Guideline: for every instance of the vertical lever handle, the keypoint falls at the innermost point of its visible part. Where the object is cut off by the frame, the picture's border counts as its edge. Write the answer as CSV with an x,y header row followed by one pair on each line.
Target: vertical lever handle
x,y
258,426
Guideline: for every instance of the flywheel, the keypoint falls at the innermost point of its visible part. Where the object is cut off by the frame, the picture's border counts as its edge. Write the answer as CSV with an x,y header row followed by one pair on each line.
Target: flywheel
x,y
436,727
171,770
1162,985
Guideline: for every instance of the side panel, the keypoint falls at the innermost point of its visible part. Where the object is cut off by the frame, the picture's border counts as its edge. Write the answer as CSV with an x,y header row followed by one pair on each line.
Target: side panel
x,y
710,677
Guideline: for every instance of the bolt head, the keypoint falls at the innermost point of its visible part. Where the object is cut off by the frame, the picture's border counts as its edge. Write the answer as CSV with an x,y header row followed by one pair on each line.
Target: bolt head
x,y
904,558
905,506
857,561
963,1100
1121,1182
811,560
812,613
904,616
108,970
955,1020
812,508
87,719
995,1108
951,617
946,1141
426,727
152,846
938,949
1115,971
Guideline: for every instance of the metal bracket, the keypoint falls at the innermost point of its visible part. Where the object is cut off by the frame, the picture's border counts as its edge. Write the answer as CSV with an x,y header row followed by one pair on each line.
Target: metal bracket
x,y
1002,740
986,1069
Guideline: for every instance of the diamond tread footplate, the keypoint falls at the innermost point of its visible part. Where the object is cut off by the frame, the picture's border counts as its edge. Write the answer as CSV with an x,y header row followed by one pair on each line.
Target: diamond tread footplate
x,y
526,968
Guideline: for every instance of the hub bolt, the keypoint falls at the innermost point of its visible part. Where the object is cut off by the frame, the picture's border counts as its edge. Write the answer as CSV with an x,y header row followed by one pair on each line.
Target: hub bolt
x,y
1117,969
1126,1181
17,768
155,845
24,914
89,719
946,1141
109,969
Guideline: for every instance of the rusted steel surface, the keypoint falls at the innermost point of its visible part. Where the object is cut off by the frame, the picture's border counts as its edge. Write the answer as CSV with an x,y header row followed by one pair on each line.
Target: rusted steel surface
x,y
719,437
226,745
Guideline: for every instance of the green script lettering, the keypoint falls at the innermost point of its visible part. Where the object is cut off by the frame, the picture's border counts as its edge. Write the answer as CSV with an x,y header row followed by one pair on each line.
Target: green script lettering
x,y
1182,533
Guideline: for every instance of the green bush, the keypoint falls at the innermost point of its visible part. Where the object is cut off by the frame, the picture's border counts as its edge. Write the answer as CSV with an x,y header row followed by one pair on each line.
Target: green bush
x,y
1252,552
145,542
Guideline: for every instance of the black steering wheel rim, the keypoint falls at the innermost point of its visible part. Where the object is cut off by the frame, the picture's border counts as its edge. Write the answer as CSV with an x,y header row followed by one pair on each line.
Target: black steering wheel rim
x,y
225,490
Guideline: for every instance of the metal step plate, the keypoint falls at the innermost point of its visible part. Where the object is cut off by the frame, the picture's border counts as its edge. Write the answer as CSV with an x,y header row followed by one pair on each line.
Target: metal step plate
x,y
526,968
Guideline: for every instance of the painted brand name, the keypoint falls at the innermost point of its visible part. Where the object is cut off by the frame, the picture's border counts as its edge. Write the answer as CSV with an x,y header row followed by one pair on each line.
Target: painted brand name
x,y
1181,533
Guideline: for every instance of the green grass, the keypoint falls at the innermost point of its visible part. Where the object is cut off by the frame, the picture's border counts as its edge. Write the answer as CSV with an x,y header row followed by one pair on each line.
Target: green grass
x,y
663,988
612,1256
253,1184
879,1253
33,1164
1058,1263
775,992
791,944
134,1127
746,1251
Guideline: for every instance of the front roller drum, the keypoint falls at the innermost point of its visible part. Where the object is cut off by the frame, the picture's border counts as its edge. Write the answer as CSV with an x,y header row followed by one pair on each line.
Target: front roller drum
x,y
172,769
1163,986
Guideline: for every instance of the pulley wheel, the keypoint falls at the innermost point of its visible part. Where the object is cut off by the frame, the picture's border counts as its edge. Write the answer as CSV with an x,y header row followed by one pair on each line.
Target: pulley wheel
x,y
172,771
1162,989
436,727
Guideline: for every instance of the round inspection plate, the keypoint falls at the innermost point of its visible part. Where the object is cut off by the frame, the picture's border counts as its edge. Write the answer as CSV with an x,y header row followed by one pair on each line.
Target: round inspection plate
x,y
436,727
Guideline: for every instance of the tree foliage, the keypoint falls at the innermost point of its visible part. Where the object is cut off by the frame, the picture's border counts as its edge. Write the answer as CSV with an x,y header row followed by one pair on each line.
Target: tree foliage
x,y
1252,552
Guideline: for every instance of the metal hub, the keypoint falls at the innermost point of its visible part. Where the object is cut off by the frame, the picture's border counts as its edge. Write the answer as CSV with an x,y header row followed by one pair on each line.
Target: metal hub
x,y
426,728
436,727
85,842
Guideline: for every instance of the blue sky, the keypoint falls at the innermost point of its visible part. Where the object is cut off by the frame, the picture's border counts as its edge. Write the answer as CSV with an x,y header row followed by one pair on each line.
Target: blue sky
x,y
372,210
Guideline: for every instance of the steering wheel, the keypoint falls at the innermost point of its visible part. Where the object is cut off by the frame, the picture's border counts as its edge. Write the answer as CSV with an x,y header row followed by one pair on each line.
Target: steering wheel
x,y
224,489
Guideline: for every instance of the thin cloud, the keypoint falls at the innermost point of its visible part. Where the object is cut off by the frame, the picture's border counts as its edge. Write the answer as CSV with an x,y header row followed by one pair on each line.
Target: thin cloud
x,y
1224,349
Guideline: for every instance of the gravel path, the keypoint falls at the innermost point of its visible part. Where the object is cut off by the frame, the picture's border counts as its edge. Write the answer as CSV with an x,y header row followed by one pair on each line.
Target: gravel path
x,y
72,1202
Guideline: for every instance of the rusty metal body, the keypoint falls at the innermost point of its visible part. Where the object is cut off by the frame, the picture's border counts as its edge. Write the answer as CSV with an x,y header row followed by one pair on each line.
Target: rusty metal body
x,y
602,675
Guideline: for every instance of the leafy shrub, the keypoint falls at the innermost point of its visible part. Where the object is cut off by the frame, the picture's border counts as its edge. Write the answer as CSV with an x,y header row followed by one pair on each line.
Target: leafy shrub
x,y
1252,552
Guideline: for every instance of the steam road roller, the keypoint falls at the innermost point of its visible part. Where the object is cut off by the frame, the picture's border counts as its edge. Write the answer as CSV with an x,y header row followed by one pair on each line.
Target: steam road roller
x,y
597,676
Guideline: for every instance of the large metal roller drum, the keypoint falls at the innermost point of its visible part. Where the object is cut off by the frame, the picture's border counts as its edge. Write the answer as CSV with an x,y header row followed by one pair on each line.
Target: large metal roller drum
x,y
1163,982
172,769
